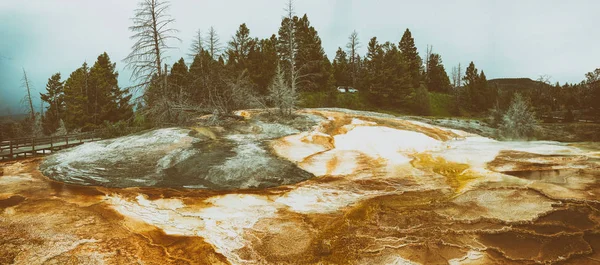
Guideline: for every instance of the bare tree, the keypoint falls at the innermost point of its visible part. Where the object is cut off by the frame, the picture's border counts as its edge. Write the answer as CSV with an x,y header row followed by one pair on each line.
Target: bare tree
x,y
35,120
455,79
457,76
282,96
460,78
197,45
232,93
456,91
42,108
544,79
213,44
27,99
428,54
152,32
292,46
241,92
352,46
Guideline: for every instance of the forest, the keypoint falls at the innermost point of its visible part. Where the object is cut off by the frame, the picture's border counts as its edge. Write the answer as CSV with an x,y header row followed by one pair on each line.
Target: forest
x,y
285,71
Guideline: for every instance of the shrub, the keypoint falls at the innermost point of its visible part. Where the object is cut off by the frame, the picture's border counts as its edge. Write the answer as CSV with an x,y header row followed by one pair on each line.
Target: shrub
x,y
442,105
569,117
349,101
421,103
62,129
495,116
118,129
519,120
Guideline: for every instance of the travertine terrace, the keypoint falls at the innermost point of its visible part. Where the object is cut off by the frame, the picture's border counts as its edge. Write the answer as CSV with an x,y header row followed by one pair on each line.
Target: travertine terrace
x,y
350,188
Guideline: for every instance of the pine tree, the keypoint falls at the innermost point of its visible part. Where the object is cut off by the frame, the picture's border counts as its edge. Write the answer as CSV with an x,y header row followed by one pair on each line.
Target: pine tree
x,y
102,79
470,79
373,71
396,92
341,71
198,77
178,82
54,96
477,96
312,75
76,99
592,84
484,97
108,102
411,59
239,48
471,75
437,78
262,61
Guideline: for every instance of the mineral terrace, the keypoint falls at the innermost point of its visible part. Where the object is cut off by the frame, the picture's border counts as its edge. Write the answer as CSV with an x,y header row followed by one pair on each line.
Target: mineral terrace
x,y
332,187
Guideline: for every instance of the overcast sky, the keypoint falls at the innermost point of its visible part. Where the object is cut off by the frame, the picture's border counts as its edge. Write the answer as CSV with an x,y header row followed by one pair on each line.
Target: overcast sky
x,y
504,38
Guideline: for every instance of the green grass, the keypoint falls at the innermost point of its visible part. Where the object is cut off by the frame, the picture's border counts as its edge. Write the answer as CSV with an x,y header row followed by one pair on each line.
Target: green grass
x,y
441,105
332,99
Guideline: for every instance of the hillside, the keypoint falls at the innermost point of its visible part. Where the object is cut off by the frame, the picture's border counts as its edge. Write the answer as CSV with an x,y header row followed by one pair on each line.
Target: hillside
x,y
515,84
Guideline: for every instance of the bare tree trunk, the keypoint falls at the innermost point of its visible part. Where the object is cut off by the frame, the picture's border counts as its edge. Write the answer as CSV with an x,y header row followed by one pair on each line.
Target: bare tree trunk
x,y
353,45
197,46
165,87
454,77
156,38
28,96
429,51
459,75
212,43
151,32
292,46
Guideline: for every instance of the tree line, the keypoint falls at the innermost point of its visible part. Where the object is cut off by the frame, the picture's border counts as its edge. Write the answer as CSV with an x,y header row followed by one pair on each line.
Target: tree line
x,y
88,99
286,69
245,71
218,78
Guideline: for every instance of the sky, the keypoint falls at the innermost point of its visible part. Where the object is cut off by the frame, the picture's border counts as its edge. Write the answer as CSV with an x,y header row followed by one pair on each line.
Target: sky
x,y
511,38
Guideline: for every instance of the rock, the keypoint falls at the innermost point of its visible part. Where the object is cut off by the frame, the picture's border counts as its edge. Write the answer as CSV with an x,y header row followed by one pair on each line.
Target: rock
x,y
322,139
205,132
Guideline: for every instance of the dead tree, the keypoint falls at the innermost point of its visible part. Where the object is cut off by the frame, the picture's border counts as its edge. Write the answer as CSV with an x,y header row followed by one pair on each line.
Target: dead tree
x,y
35,120
152,32
352,46
213,44
197,45
544,79
292,46
27,99
429,52
454,77
281,95
457,76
